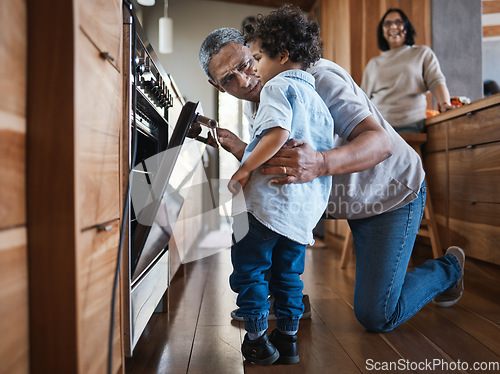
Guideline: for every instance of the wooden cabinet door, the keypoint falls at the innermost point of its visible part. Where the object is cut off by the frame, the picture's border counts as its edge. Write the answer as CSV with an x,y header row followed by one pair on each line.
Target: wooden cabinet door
x,y
476,228
99,116
475,173
97,254
101,21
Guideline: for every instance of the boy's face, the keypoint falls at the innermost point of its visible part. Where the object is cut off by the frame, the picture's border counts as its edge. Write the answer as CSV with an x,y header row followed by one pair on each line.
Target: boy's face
x,y
265,67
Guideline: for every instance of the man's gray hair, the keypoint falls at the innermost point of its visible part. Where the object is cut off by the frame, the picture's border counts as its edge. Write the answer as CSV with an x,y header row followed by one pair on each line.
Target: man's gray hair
x,y
213,44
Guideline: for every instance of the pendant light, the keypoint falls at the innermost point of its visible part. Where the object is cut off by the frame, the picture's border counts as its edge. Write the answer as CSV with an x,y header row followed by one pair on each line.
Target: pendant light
x,y
146,2
166,32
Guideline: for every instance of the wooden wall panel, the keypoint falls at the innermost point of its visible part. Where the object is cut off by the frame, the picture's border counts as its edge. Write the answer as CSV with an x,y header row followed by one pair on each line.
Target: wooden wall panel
x,y
14,347
372,11
491,6
14,306
12,168
13,113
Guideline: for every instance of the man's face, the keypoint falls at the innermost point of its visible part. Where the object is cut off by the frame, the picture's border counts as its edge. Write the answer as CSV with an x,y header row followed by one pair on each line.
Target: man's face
x,y
232,71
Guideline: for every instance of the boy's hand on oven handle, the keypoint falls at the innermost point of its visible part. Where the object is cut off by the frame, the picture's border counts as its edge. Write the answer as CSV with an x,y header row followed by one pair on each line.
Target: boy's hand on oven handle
x,y
195,131
228,140
231,143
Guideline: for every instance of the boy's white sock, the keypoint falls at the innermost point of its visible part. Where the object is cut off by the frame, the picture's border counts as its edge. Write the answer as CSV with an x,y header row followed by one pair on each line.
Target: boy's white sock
x,y
288,332
255,335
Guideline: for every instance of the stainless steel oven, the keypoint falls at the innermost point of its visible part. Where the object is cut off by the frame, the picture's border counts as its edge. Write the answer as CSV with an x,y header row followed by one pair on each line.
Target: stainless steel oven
x,y
152,146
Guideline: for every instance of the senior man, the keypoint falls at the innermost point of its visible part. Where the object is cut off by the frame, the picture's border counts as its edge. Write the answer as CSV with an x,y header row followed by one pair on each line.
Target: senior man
x,y
378,185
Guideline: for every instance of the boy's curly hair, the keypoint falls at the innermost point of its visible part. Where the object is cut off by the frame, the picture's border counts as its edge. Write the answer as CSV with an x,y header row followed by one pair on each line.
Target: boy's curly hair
x,y
287,28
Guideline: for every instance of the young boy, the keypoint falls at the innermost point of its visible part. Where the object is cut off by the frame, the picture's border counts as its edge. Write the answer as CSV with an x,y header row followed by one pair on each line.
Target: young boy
x,y
280,218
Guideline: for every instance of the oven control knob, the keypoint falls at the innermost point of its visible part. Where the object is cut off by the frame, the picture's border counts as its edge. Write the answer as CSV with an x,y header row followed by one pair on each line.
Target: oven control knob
x,y
141,69
139,65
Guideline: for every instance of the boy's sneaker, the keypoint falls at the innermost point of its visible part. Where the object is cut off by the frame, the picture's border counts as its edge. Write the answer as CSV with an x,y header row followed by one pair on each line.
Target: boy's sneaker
x,y
286,346
272,316
260,351
450,297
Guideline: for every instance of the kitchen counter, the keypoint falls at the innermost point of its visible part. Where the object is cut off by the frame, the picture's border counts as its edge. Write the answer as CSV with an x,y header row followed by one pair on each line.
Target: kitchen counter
x,y
460,111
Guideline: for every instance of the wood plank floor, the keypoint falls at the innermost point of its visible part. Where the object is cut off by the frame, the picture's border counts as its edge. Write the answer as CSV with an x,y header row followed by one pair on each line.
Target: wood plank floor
x,y
198,336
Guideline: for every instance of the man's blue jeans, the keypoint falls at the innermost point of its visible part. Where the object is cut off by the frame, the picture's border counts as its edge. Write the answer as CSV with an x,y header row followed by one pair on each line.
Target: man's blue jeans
x,y
385,294
260,250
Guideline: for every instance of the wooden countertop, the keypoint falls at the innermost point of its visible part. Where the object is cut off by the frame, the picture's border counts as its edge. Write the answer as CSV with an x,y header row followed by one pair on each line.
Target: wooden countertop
x,y
472,107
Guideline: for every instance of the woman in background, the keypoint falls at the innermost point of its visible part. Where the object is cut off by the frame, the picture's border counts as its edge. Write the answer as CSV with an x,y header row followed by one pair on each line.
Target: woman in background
x,y
397,80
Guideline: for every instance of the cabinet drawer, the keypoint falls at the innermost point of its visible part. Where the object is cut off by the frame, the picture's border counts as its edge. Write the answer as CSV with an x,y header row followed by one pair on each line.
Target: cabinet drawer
x,y
475,173
476,229
14,301
478,127
102,22
97,254
436,137
98,112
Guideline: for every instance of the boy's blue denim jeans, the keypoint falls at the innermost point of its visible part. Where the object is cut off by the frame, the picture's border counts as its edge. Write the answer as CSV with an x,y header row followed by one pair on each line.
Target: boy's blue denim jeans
x,y
385,294
260,250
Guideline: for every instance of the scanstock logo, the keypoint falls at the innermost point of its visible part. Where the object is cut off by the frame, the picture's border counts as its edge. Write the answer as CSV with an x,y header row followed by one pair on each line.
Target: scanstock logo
x,y
170,191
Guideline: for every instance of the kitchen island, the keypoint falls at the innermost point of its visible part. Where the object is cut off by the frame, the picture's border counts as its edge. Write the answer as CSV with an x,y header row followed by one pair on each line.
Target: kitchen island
x,y
462,161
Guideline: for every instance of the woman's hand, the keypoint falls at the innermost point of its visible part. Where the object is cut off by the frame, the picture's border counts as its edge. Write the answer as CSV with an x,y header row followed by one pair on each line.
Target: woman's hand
x,y
298,160
446,106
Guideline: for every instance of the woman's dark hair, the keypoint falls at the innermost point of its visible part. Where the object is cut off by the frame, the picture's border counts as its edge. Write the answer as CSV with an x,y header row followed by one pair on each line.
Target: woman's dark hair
x,y
490,87
287,28
247,21
408,27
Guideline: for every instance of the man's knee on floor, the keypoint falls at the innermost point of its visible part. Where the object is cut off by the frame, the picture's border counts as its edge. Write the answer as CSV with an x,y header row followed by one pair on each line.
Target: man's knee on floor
x,y
372,321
